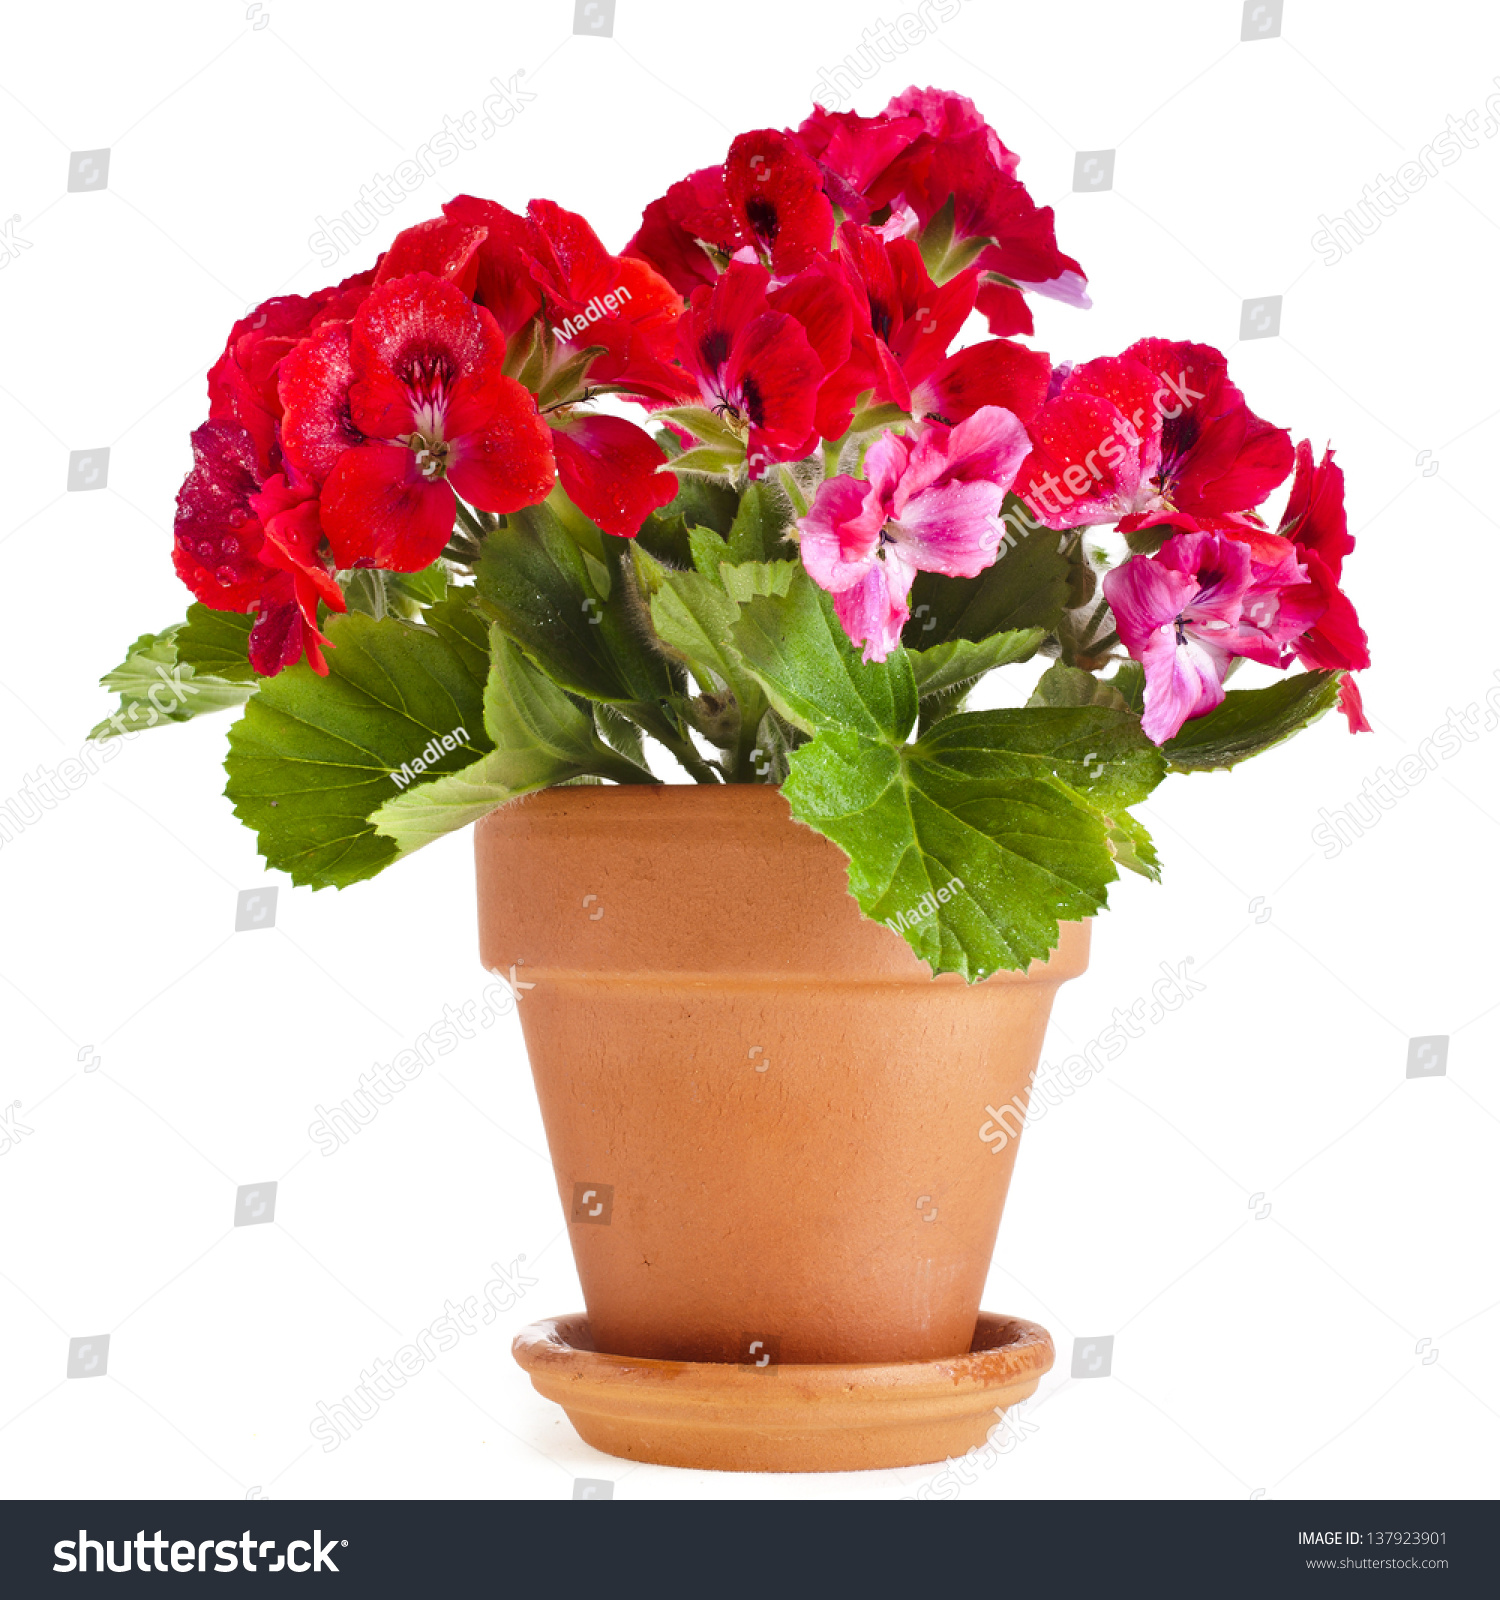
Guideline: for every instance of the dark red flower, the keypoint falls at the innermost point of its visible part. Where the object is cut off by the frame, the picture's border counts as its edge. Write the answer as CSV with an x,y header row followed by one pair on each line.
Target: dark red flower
x,y
242,383
694,209
767,198
851,151
753,364
504,285
1317,525
776,195
317,427
1095,445
1156,437
434,412
247,543
902,336
946,115
1217,456
989,204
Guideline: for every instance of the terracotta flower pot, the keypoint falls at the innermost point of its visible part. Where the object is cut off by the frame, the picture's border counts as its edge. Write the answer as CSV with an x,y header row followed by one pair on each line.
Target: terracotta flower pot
x,y
763,1111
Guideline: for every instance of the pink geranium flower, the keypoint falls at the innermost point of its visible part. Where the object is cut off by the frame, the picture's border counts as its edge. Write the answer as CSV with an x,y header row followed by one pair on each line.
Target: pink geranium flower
x,y
1202,600
930,502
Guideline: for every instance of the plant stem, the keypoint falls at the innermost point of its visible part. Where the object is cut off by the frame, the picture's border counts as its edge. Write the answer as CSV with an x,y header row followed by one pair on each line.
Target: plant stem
x,y
793,493
471,523
652,720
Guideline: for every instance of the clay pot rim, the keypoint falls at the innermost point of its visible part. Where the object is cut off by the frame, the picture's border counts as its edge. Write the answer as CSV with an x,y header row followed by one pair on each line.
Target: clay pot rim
x,y
659,803
665,810
1005,1352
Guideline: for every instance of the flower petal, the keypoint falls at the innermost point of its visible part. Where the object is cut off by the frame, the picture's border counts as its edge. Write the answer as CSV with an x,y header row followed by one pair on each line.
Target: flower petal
x,y
425,358
507,463
380,511
608,467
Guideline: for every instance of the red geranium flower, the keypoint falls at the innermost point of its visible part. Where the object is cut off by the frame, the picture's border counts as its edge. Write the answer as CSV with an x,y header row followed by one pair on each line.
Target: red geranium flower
x,y
594,298
777,200
940,147
444,247
753,364
504,285
693,209
247,543
1316,524
900,348
852,151
1217,456
433,412
609,468
242,383
1156,437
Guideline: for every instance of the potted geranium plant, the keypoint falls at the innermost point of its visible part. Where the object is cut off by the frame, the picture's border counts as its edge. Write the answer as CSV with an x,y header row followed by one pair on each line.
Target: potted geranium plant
x,y
441,577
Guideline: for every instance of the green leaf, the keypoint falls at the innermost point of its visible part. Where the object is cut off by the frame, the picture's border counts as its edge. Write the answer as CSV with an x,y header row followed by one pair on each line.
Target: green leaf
x,y
1071,686
568,380
1028,586
872,419
542,736
1133,847
692,617
704,424
313,757
620,733
1097,752
535,581
747,579
974,841
154,686
796,646
700,503
762,523
426,587
1005,811
1129,681
217,644
949,666
378,593
1252,720
717,461
459,624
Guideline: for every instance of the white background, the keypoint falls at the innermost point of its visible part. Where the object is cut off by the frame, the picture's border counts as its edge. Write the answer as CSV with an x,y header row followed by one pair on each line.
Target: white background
x,y
1277,1353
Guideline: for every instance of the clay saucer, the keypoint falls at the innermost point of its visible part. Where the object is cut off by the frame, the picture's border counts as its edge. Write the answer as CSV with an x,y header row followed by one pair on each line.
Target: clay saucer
x,y
749,1418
